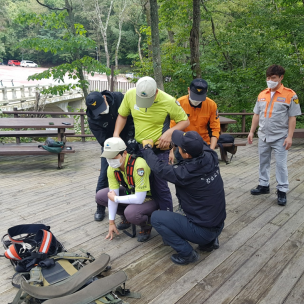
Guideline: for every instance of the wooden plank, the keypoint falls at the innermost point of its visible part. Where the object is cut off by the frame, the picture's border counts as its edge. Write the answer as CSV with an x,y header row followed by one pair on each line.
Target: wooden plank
x,y
32,192
40,133
36,122
28,150
297,294
286,281
260,285
239,280
189,280
298,133
209,284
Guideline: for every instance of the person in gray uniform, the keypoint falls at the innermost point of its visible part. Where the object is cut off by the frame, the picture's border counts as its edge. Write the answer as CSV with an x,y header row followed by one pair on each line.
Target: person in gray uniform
x,y
275,112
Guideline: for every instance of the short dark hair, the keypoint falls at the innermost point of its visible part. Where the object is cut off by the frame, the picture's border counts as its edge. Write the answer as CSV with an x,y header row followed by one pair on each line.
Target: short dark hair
x,y
275,70
120,153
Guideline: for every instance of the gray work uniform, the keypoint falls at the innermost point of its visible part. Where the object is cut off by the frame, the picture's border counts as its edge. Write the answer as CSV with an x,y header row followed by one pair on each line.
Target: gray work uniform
x,y
274,113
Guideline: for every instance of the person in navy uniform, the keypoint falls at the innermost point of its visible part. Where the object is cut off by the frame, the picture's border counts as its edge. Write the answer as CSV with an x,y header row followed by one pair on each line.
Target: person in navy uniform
x,y
102,112
200,191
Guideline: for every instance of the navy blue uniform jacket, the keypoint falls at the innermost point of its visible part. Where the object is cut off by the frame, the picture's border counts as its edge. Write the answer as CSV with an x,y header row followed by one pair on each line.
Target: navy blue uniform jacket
x,y
103,126
199,186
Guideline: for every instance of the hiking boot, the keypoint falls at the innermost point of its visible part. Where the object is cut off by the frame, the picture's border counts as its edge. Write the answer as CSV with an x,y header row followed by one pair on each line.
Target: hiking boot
x,y
178,259
260,190
124,224
213,245
100,213
144,235
281,198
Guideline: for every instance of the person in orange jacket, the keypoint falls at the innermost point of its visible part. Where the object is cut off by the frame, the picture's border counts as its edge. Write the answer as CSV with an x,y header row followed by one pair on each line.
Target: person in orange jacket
x,y
202,113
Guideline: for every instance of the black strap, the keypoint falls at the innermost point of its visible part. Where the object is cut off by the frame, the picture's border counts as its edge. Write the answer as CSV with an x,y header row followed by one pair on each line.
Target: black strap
x,y
133,232
130,169
29,229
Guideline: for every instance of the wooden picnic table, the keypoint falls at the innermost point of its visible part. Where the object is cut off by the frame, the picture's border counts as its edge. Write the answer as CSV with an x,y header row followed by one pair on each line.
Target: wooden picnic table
x,y
38,123
225,122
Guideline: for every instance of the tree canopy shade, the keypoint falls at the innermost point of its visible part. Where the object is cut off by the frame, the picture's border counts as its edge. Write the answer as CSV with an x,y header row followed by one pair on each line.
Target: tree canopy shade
x,y
236,40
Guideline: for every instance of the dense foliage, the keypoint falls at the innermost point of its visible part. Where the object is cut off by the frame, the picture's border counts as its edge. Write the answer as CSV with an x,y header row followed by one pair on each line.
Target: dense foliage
x,y
239,40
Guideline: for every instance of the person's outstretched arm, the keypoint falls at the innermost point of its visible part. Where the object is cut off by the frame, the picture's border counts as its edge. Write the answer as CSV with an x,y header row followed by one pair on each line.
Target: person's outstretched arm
x,y
119,125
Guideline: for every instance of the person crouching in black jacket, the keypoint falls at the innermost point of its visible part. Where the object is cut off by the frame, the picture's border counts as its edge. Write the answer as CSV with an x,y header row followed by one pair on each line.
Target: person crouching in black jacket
x,y
102,112
200,191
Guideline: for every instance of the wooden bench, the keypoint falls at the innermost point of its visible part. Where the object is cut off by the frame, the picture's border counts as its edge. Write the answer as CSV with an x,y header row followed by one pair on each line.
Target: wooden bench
x,y
57,128
231,148
298,133
22,149
35,133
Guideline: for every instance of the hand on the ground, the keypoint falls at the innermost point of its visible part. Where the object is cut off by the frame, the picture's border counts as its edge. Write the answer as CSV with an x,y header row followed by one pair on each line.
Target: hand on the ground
x,y
171,157
250,138
165,140
287,143
112,230
111,195
147,142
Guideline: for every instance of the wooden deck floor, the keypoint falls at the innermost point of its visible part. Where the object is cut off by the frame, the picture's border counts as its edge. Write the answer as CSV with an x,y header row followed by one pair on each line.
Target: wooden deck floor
x,y
261,254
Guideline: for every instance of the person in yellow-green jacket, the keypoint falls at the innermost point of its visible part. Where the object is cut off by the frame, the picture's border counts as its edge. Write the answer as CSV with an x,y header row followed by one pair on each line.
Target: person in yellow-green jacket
x,y
152,110
129,192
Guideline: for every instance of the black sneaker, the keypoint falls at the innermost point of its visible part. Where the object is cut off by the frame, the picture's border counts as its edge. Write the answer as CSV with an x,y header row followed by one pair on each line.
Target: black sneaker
x,y
100,213
144,235
282,200
260,190
177,259
213,245
124,224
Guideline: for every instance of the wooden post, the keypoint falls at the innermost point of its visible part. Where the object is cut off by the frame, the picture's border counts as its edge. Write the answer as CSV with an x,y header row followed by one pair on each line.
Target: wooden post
x,y
16,115
14,93
30,91
22,91
243,121
82,124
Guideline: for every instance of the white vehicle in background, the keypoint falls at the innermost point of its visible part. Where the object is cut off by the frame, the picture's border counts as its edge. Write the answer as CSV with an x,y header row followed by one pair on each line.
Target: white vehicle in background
x,y
129,75
28,64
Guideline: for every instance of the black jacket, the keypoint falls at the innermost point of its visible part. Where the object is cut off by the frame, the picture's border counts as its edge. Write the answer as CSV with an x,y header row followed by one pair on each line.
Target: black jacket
x,y
103,127
199,186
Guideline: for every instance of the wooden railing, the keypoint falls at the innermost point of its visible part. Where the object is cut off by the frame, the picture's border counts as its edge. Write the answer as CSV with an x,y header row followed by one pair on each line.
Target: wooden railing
x,y
82,114
243,128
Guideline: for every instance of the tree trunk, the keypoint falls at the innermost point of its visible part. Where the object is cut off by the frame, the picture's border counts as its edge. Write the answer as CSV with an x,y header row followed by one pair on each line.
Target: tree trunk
x,y
121,20
138,43
194,41
147,10
171,36
77,55
155,45
104,28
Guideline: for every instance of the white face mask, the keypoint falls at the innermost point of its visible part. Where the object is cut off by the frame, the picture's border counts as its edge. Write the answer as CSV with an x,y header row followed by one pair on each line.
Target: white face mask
x,y
114,163
194,102
106,111
272,84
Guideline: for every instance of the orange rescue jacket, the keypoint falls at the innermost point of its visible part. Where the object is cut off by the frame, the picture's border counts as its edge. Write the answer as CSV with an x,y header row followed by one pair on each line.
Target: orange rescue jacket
x,y
204,120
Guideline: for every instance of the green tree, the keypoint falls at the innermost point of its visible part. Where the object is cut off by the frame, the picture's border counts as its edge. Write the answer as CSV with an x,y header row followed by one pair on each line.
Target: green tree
x,y
73,41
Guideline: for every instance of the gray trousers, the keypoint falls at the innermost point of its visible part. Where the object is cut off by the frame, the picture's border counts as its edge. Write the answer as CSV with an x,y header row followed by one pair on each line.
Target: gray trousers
x,y
265,149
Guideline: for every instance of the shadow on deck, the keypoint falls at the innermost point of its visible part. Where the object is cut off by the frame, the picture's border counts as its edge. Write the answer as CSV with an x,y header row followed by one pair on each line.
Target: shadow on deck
x,y
261,254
